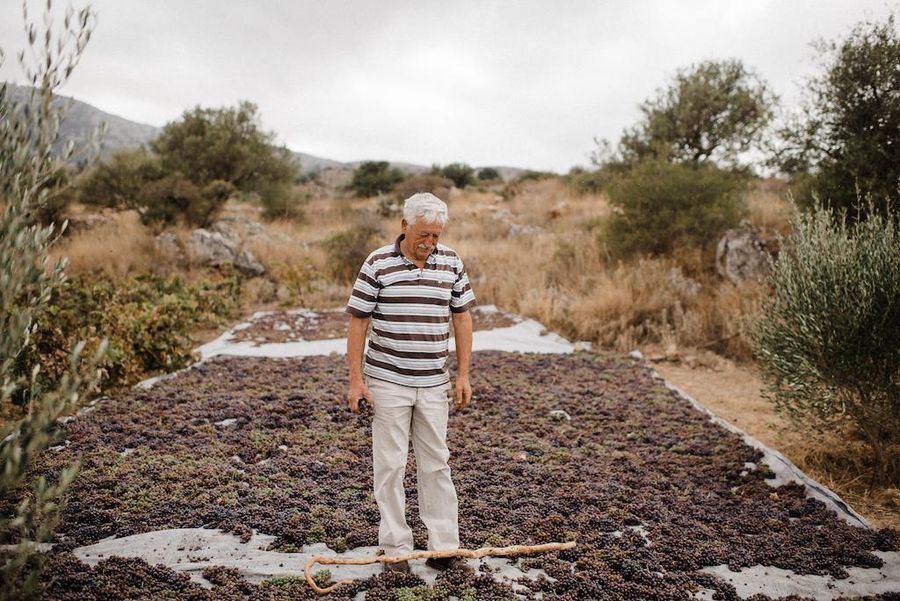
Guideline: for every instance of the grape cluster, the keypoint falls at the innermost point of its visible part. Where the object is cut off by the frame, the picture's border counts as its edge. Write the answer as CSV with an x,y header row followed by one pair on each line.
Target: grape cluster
x,y
649,487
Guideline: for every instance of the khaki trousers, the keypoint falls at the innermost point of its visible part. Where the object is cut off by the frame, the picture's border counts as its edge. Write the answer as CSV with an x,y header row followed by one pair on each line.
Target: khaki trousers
x,y
422,412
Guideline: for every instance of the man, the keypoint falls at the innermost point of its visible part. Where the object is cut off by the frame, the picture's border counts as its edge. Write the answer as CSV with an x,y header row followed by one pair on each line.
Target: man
x,y
409,290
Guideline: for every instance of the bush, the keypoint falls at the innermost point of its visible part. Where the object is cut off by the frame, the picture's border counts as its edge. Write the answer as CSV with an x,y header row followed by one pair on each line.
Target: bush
x,y
283,202
175,197
848,138
374,177
347,250
225,144
459,173
658,206
828,337
117,182
147,320
486,174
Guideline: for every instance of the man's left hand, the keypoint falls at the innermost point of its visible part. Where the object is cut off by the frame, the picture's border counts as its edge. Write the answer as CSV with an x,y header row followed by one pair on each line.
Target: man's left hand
x,y
462,392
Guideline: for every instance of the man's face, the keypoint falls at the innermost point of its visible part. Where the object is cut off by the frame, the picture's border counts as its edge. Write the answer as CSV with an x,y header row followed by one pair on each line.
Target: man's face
x,y
421,237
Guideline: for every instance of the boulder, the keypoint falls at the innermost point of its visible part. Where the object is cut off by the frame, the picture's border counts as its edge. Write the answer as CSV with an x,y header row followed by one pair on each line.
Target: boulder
x,y
248,265
742,255
211,248
169,247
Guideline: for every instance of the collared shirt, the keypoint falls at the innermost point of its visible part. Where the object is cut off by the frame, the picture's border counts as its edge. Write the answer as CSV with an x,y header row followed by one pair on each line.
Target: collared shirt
x,y
410,310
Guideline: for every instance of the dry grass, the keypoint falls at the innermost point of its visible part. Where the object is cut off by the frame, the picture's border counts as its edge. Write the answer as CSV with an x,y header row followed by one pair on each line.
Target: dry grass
x,y
561,277
531,248
769,207
120,247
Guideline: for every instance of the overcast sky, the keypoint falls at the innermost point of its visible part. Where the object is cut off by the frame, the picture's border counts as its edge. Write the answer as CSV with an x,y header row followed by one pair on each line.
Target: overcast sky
x,y
519,83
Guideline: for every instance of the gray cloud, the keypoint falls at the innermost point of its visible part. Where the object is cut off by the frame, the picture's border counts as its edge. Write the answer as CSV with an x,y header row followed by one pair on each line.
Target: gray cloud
x,y
526,83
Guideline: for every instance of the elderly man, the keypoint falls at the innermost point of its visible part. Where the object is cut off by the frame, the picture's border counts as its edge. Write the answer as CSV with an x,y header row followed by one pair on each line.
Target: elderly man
x,y
409,290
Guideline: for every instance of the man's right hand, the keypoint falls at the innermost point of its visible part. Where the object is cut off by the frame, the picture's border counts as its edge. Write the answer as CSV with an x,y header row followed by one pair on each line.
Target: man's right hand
x,y
358,390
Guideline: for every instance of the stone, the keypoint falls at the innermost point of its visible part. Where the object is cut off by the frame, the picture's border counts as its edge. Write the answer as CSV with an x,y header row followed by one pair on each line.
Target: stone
x,y
228,230
211,248
248,264
559,415
169,247
742,255
516,229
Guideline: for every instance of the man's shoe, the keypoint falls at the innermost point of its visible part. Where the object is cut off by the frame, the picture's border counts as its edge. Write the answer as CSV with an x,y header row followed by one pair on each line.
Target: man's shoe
x,y
447,563
400,566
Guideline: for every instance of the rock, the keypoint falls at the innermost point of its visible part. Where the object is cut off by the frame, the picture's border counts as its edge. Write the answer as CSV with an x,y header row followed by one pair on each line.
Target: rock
x,y
247,264
227,230
742,255
559,415
636,355
524,230
211,248
169,247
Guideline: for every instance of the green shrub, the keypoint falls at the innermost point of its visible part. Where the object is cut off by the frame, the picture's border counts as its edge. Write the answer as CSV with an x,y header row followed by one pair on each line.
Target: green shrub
x,y
534,176
147,320
828,337
284,202
225,144
117,182
460,174
175,197
486,174
374,177
658,206
347,250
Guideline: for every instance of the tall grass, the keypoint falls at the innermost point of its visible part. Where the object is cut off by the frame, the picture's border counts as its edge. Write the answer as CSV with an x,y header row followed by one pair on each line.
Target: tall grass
x,y
557,275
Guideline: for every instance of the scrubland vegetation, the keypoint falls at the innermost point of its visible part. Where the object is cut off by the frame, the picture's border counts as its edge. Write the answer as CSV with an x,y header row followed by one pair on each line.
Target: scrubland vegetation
x,y
622,255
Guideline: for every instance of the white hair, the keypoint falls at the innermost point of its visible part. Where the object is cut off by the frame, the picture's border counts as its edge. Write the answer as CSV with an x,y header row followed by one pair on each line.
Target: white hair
x,y
427,205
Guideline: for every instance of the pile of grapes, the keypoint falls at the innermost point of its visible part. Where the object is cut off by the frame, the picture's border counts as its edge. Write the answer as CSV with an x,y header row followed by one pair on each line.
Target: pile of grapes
x,y
587,447
285,326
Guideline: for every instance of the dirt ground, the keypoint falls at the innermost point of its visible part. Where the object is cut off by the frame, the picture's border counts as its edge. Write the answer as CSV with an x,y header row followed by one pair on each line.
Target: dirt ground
x,y
734,392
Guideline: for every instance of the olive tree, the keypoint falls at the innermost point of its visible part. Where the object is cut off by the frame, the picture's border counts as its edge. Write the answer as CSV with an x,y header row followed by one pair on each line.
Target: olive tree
x,y
828,337
28,166
845,140
712,111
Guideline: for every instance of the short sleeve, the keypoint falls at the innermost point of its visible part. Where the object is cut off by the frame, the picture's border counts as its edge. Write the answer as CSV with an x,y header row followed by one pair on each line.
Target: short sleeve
x,y
365,292
462,298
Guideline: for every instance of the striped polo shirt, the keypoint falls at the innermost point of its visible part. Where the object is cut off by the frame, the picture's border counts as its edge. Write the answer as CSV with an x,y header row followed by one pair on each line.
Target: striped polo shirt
x,y
410,310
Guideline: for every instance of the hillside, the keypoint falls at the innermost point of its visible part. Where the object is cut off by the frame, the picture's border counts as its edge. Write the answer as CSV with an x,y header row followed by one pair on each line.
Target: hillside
x,y
83,118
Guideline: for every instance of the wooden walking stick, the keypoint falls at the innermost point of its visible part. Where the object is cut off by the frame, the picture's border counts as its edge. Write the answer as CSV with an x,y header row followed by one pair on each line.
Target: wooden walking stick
x,y
474,554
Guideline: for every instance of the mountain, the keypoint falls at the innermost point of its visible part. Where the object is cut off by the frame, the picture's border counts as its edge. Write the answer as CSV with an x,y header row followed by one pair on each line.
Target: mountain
x,y
83,118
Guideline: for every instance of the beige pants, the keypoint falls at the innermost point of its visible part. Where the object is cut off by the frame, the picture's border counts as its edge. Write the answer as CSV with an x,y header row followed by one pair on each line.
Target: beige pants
x,y
401,411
